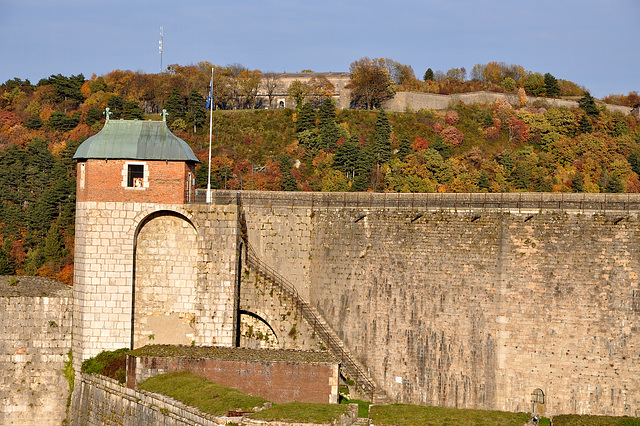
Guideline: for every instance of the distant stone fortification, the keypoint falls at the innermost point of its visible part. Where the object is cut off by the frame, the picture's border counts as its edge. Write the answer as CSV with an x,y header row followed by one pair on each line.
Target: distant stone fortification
x,y
404,101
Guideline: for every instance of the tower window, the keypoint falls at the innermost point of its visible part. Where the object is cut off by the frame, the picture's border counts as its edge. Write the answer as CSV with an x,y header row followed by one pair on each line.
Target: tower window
x,y
135,176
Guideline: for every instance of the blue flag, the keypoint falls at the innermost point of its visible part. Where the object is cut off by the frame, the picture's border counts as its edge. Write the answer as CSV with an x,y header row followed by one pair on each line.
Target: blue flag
x,y
210,97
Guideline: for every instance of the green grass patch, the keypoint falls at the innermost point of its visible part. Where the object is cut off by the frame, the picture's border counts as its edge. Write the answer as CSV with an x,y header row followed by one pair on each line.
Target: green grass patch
x,y
363,406
108,363
302,412
414,415
207,396
576,420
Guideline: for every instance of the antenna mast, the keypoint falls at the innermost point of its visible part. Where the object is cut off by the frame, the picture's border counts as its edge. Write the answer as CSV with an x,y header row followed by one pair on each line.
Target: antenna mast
x,y
160,46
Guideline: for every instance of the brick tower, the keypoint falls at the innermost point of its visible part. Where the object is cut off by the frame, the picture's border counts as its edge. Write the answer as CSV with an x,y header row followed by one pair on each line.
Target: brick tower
x,y
143,270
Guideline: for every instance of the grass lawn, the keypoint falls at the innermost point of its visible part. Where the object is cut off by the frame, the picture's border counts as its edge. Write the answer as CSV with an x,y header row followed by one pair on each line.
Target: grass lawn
x,y
576,420
208,397
414,415
302,412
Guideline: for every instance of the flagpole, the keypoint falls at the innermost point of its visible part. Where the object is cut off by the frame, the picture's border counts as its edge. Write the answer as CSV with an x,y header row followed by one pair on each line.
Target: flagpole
x,y
210,133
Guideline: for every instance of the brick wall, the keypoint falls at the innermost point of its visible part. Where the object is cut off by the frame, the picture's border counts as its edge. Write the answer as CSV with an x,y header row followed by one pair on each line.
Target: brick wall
x,y
106,180
276,381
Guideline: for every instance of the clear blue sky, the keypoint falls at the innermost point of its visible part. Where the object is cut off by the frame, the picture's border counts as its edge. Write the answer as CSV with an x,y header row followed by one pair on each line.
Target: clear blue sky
x,y
594,43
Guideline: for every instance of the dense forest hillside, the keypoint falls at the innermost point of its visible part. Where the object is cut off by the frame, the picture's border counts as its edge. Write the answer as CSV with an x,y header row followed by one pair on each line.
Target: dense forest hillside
x,y
492,147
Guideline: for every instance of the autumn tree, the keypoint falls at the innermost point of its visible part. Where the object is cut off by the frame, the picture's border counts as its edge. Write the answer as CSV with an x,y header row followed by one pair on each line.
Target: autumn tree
x,y
298,91
248,83
270,82
370,83
320,89
534,84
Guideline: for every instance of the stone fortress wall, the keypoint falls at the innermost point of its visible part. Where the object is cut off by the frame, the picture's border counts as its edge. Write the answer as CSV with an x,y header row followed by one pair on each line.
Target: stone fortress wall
x,y
460,300
450,299
35,344
153,273
405,101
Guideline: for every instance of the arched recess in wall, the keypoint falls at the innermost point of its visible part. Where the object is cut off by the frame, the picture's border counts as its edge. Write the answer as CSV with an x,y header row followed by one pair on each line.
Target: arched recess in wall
x,y
165,280
256,332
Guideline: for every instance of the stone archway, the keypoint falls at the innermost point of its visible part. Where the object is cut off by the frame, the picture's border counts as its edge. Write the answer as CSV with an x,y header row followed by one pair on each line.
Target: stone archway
x,y
165,291
255,332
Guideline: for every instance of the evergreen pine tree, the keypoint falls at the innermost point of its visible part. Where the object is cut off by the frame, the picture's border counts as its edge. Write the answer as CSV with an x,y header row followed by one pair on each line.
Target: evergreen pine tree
x,y
131,110
444,149
327,126
585,125
195,110
53,246
552,89
174,106
116,106
7,266
614,185
428,75
93,115
347,157
588,104
288,182
382,138
483,180
306,118
405,148
33,123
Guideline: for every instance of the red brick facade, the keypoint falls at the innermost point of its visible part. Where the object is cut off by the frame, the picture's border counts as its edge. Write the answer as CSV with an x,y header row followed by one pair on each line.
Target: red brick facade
x,y
165,182
277,381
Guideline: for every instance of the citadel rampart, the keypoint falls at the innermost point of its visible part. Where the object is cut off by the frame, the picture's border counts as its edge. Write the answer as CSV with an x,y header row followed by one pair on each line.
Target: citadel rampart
x,y
461,300
473,301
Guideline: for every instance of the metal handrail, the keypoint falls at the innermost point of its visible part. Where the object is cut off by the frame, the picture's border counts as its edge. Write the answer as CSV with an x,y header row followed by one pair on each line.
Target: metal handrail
x,y
348,365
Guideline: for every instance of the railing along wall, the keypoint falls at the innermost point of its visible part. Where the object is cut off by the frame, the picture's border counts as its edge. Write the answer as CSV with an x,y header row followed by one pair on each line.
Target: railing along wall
x,y
348,366
503,202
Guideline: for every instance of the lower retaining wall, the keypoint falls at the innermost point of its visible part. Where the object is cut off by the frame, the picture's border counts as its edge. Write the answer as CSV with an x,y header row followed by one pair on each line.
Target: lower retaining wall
x,y
100,401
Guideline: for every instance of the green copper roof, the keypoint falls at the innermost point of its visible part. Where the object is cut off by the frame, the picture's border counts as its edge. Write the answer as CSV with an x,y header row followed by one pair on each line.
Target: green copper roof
x,y
135,140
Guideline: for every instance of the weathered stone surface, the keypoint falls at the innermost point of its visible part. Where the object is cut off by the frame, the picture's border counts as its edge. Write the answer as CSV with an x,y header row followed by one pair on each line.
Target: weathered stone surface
x,y
35,340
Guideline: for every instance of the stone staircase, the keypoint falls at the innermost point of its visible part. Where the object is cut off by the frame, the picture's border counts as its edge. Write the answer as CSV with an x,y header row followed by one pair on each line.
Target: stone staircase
x,y
349,367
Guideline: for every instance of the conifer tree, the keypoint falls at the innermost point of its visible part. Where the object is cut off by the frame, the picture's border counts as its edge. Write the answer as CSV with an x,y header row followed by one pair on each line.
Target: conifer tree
x,y
131,110
585,125
588,104
53,246
327,126
196,113
382,138
552,89
405,148
174,106
306,118
288,182
428,75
